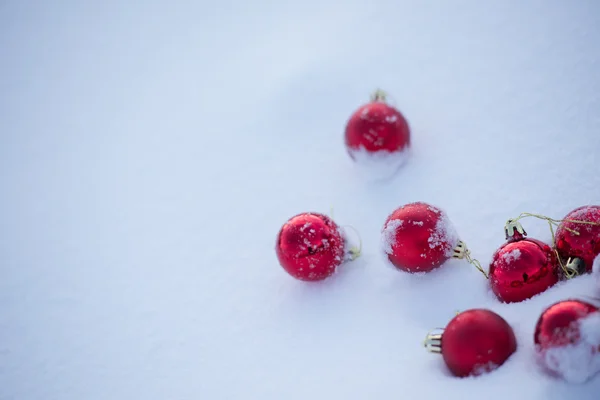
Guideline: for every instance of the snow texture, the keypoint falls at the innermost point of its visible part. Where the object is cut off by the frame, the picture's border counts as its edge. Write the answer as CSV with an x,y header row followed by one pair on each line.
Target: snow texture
x,y
388,235
352,240
511,256
444,235
582,215
151,150
379,165
577,363
596,270
485,368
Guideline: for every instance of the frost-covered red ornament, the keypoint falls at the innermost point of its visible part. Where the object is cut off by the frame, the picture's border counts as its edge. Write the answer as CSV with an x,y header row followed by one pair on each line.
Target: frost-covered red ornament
x,y
377,135
310,246
567,340
577,238
418,237
474,342
522,267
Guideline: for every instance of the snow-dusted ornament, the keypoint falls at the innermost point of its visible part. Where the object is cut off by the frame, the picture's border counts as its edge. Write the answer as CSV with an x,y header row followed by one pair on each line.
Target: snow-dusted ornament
x,y
578,238
522,267
310,247
567,340
474,342
377,137
418,238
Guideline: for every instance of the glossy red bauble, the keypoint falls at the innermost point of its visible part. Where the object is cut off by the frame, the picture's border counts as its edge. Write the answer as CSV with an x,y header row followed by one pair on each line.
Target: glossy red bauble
x,y
418,237
310,246
585,245
567,340
474,342
522,268
376,127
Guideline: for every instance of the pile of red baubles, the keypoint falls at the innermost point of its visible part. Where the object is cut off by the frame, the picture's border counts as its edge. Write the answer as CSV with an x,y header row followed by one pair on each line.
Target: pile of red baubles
x,y
418,238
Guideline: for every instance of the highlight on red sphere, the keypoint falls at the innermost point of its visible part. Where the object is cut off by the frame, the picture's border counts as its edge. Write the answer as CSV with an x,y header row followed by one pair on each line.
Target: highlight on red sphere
x,y
521,269
376,128
418,237
584,245
310,246
477,341
567,340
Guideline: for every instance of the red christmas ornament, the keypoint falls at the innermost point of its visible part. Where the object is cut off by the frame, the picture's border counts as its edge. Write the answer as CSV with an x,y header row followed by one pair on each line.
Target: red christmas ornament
x,y
310,246
474,342
377,129
522,267
419,237
567,340
579,249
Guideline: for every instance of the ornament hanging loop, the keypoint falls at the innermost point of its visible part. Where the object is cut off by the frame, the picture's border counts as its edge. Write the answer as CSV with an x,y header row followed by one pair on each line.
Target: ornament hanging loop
x,y
433,341
461,251
573,267
355,251
551,222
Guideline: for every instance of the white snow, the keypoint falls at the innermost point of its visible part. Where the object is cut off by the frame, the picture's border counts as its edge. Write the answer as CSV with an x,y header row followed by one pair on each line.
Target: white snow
x,y
444,236
379,165
485,368
511,256
150,152
596,270
388,234
579,362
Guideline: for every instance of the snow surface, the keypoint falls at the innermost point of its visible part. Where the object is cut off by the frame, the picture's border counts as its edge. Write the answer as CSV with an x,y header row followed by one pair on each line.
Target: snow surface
x,y
151,150
578,362
380,165
596,270
388,235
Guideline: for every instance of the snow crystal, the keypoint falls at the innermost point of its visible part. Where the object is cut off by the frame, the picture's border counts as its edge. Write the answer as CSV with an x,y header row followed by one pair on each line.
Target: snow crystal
x,y
388,235
418,223
481,369
582,213
512,256
577,363
379,165
444,233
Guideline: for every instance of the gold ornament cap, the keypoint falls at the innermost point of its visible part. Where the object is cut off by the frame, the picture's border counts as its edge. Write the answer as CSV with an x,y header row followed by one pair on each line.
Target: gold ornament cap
x,y
461,251
513,226
433,341
574,267
379,96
